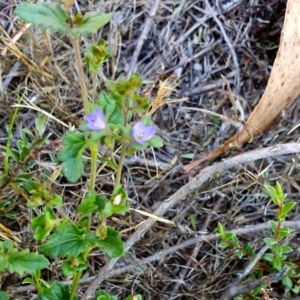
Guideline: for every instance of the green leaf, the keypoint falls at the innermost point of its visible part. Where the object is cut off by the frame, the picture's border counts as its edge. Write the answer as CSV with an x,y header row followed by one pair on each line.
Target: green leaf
x,y
88,205
111,108
25,262
96,55
277,263
220,230
286,281
287,207
42,141
134,297
239,254
15,155
283,232
278,189
74,144
88,23
228,236
43,224
286,249
111,209
4,295
72,265
270,242
112,245
102,295
40,124
56,291
48,16
273,226
192,220
29,281
272,193
140,104
68,240
247,247
223,244
155,142
268,257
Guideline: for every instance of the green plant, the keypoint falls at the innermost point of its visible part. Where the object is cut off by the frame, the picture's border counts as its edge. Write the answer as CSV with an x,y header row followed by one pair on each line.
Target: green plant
x,y
276,258
109,119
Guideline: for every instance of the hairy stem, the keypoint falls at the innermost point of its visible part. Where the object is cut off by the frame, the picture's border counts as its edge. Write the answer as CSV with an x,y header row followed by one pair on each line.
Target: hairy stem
x,y
94,77
94,152
121,162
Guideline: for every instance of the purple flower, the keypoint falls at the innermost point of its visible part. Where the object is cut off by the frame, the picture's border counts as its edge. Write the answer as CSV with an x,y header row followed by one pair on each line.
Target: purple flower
x,y
96,121
142,133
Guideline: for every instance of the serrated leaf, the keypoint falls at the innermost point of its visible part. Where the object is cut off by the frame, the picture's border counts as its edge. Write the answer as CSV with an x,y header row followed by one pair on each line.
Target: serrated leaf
x,y
68,240
112,245
70,155
25,262
56,291
74,143
111,108
88,205
89,23
96,55
48,16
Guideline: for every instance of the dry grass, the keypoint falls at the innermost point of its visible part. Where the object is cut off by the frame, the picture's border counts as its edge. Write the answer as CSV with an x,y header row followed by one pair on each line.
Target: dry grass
x,y
184,55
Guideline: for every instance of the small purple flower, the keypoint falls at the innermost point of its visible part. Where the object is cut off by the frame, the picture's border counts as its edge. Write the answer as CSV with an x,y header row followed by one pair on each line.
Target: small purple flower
x,y
96,121
142,133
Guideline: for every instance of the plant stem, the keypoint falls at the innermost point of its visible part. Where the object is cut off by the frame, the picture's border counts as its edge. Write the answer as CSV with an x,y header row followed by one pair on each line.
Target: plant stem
x,y
93,148
121,162
123,151
75,284
93,173
94,77
81,75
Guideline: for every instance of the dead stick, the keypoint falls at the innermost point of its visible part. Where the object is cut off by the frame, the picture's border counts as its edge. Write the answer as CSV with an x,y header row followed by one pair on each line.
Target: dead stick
x,y
158,256
194,184
142,38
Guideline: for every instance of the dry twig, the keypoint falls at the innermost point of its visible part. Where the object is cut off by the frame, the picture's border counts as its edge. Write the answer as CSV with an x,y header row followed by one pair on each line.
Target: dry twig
x,y
183,192
142,37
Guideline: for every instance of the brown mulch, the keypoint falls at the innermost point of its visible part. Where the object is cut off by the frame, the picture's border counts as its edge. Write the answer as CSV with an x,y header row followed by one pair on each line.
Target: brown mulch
x,y
186,49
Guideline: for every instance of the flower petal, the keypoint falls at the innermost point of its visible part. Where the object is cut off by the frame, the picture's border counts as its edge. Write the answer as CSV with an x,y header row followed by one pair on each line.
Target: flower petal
x,y
96,120
142,133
